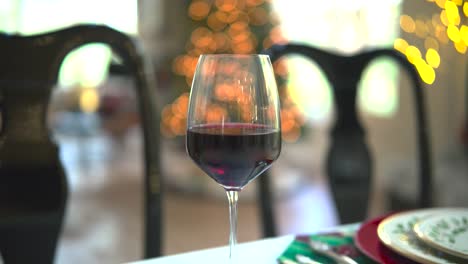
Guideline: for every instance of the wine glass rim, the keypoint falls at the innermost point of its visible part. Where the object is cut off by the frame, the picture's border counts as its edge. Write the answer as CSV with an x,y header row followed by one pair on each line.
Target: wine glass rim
x,y
234,55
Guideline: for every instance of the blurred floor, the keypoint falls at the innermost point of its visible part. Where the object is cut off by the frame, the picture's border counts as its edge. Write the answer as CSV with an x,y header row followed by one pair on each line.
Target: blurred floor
x,y
103,223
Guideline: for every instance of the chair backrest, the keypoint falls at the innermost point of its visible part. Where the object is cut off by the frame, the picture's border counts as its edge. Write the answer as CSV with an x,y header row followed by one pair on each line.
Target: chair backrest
x,y
349,163
28,72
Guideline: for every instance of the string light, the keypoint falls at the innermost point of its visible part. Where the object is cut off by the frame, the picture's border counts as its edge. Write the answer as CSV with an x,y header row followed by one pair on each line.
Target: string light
x,y
433,58
407,23
443,27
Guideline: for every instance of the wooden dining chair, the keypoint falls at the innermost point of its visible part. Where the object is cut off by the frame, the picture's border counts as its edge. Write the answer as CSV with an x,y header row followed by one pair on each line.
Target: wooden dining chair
x,y
349,163
33,184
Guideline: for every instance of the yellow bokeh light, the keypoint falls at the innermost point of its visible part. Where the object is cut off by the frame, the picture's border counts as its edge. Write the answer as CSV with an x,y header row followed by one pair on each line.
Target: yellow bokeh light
x,y
412,53
440,3
429,26
433,58
431,43
89,100
451,10
435,20
465,9
444,18
464,34
460,47
407,23
458,2
426,72
453,33
441,34
421,29
400,45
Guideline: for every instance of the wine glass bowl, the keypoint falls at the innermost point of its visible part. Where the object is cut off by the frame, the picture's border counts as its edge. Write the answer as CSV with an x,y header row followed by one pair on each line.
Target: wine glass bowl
x,y
233,154
233,122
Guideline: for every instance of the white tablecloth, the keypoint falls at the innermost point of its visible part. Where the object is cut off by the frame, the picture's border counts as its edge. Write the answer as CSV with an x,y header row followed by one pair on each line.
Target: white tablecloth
x,y
264,251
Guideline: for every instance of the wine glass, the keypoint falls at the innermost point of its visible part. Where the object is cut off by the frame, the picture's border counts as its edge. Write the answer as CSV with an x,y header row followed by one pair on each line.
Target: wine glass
x,y
233,123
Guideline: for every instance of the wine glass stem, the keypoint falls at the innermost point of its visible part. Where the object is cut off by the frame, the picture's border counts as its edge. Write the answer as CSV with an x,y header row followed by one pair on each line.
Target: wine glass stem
x,y
232,198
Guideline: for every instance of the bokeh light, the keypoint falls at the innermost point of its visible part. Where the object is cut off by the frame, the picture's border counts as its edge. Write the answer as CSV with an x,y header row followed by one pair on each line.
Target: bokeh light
x,y
460,46
421,29
444,18
400,45
464,34
198,10
440,3
445,27
433,58
426,72
452,14
453,33
89,100
407,23
431,43
412,53
222,26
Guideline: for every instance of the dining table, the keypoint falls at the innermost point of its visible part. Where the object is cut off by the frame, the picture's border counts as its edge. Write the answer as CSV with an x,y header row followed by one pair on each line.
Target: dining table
x,y
425,235
262,251
259,251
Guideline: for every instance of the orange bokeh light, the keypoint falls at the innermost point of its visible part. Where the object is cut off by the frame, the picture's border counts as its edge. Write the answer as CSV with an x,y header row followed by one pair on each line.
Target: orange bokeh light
x,y
215,114
198,10
226,5
214,23
276,35
254,2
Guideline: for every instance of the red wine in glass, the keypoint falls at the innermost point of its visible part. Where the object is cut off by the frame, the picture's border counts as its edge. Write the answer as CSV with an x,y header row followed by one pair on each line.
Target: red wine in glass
x,y
233,154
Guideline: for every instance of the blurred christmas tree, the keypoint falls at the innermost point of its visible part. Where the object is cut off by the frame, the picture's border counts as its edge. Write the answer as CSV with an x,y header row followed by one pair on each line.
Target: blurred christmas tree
x,y
218,26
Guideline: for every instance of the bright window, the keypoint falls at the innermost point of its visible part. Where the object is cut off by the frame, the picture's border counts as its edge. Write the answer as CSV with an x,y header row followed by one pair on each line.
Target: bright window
x,y
346,27
87,66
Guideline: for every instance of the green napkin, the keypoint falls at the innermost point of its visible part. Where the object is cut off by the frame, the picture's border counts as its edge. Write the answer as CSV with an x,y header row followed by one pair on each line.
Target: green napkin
x,y
341,242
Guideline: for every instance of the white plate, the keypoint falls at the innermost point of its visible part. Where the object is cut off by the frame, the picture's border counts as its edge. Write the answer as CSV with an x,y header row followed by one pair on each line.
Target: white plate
x,y
396,232
447,232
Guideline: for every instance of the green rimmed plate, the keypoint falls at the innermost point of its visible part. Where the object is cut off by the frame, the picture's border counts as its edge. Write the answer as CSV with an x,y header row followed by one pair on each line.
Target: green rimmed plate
x,y
396,232
447,232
